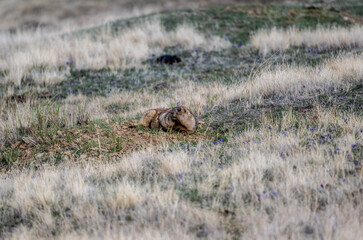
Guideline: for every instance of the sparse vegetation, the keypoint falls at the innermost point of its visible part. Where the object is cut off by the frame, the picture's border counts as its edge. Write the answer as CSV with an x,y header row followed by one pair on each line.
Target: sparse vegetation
x,y
279,153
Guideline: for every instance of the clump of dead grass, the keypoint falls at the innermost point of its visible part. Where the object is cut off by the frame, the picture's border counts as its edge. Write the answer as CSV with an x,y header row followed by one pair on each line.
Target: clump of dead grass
x,y
322,38
300,81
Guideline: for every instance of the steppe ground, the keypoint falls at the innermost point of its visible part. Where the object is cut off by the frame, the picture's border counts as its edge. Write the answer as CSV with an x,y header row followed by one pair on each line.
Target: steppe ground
x,y
279,89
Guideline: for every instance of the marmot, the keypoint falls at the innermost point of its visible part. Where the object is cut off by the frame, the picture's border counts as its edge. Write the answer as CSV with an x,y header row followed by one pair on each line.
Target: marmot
x,y
177,118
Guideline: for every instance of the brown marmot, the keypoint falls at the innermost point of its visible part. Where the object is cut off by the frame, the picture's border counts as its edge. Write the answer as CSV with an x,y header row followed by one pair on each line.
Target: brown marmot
x,y
178,118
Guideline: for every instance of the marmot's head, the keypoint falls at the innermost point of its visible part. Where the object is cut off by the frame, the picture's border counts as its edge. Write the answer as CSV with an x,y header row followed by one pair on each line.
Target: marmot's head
x,y
185,117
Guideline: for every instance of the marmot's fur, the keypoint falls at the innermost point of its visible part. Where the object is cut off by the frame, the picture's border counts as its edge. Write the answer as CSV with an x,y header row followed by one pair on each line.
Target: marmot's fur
x,y
177,118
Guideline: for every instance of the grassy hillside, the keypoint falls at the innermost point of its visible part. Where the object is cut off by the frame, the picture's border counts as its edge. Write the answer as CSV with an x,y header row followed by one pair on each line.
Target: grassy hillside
x,y
280,91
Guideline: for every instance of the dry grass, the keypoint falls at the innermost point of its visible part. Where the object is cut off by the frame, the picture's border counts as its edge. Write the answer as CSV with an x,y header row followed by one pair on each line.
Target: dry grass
x,y
295,81
40,55
285,82
267,41
282,81
271,186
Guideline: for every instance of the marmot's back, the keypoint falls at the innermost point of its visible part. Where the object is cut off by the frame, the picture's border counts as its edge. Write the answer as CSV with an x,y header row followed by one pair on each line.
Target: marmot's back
x,y
177,118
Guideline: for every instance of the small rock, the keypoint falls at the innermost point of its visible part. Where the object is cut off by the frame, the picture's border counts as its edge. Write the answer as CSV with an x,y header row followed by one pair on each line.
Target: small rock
x,y
168,59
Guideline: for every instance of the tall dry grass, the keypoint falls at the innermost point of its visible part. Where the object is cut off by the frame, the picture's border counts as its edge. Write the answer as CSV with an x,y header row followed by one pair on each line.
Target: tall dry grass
x,y
40,55
269,40
299,81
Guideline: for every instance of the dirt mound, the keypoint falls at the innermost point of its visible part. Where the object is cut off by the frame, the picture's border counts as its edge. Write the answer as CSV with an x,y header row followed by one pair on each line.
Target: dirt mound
x,y
99,141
